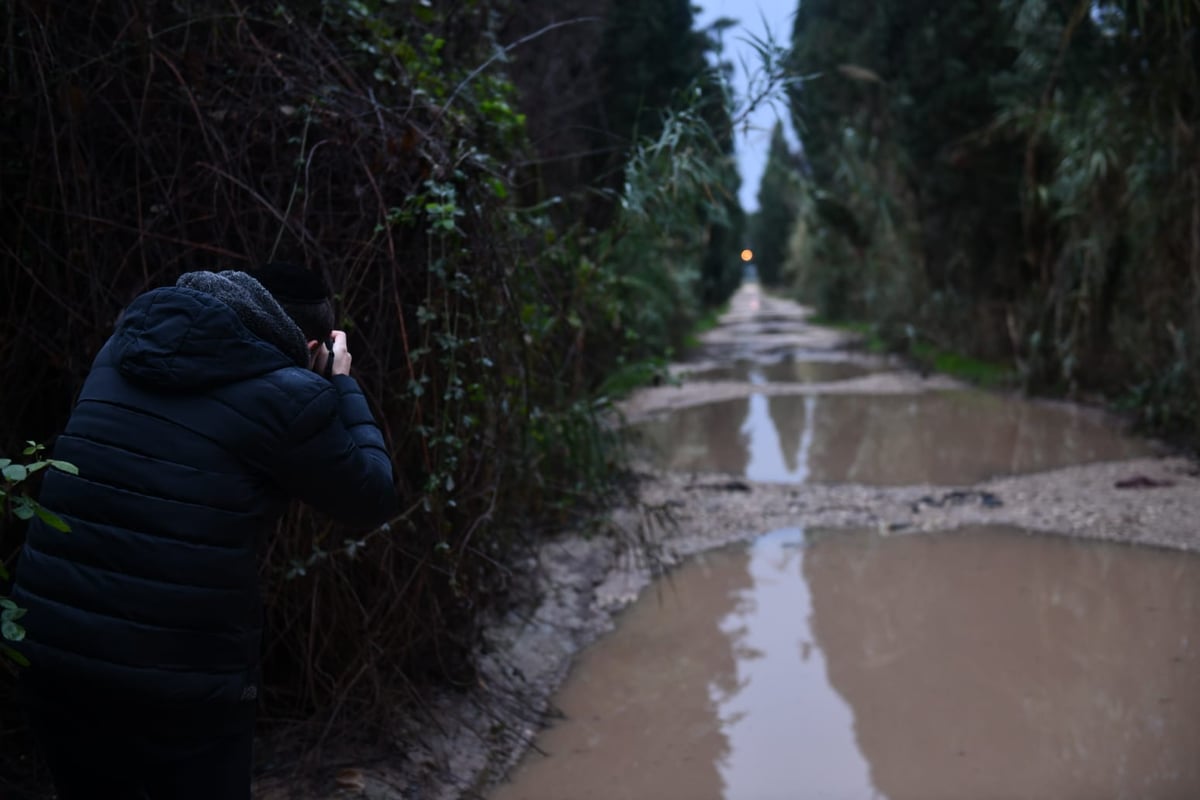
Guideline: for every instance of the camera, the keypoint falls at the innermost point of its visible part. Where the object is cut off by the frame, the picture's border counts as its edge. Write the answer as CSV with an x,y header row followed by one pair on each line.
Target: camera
x,y
329,358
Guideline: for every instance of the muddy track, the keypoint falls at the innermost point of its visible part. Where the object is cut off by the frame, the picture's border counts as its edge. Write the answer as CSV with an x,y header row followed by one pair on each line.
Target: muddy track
x,y
1145,500
468,741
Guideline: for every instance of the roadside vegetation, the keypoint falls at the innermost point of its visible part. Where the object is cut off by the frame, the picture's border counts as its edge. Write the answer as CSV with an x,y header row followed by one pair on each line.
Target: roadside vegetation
x,y
1015,181
523,207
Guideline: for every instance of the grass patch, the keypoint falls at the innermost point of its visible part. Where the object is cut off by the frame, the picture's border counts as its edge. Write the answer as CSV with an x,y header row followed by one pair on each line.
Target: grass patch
x,y
628,377
872,342
705,324
987,374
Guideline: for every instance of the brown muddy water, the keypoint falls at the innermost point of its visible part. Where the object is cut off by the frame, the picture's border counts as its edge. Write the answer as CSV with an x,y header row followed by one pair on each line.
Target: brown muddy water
x,y
787,371
985,663
954,438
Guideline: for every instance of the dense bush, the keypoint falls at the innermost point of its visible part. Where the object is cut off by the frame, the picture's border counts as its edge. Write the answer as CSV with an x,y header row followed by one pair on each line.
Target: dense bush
x,y
1016,178
383,144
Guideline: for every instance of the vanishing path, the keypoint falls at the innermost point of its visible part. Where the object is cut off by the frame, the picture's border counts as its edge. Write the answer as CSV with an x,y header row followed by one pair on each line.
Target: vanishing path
x,y
888,449
833,654
839,656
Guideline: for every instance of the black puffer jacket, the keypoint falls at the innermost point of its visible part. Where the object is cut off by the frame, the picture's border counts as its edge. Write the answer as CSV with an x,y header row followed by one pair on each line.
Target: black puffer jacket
x,y
191,434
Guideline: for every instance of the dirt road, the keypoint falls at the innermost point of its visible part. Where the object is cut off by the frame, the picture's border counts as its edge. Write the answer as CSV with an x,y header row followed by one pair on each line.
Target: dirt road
x,y
1119,487
777,423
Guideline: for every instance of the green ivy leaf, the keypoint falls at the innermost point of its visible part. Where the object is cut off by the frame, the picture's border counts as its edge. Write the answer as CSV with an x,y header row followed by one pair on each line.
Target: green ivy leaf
x,y
19,659
51,519
15,472
65,466
23,508
12,614
11,631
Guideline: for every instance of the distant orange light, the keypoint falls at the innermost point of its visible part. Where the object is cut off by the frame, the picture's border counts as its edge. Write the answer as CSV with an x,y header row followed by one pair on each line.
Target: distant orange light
x,y
747,255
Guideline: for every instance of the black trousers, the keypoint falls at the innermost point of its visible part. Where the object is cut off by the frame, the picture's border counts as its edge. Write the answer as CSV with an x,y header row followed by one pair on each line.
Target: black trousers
x,y
124,749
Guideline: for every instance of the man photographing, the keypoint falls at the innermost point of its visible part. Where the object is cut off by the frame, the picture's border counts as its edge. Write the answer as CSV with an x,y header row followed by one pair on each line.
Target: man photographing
x,y
214,403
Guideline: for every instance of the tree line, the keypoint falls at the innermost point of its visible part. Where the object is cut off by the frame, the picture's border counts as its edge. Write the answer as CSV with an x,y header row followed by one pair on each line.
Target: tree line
x,y
522,208
1018,180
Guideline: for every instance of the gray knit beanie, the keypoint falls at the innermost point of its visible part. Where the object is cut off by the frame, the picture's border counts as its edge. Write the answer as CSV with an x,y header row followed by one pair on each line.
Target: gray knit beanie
x,y
254,306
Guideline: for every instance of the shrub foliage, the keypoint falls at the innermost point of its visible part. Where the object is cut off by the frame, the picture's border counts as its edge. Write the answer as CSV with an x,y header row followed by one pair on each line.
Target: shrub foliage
x,y
1013,178
382,143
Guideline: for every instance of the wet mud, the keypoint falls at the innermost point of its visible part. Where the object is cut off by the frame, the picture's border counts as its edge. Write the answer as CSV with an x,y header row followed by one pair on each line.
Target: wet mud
x,y
937,437
947,606
964,595
784,371
980,663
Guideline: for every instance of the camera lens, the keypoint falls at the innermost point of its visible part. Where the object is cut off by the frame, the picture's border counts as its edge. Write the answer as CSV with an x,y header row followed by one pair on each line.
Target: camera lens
x,y
329,359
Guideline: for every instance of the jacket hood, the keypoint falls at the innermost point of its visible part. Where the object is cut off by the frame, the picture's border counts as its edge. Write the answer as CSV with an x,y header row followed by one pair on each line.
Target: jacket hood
x,y
184,338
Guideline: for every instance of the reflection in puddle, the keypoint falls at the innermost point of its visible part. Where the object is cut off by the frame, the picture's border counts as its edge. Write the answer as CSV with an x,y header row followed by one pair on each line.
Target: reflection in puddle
x,y
984,663
943,437
782,372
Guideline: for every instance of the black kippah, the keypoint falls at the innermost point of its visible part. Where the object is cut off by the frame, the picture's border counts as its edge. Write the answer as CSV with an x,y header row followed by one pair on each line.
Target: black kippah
x,y
289,283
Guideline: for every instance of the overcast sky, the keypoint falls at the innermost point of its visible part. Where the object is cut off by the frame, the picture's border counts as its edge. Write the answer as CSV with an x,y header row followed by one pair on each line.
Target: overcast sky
x,y
752,144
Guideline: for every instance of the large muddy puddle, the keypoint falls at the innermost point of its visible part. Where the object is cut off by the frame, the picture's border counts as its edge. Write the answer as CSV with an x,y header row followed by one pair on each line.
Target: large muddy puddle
x,y
985,663
786,371
936,437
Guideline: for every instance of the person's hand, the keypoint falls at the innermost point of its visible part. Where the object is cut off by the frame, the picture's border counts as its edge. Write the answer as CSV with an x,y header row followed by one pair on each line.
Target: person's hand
x,y
340,355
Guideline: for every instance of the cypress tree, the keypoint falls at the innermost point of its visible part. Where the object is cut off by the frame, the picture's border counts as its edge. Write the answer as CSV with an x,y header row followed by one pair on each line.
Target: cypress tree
x,y
778,206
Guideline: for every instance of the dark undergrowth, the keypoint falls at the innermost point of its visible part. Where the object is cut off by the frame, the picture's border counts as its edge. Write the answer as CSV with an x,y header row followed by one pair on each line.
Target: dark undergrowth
x,y
383,145
1013,181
